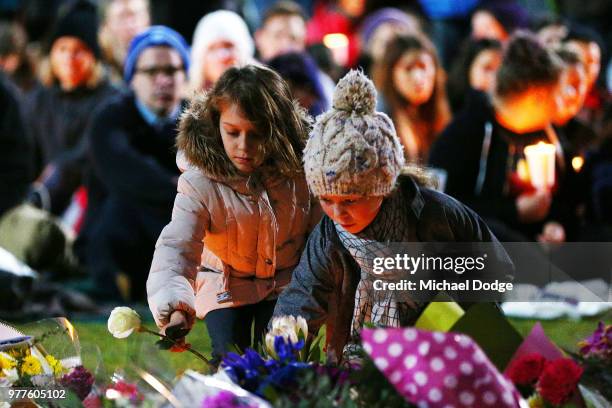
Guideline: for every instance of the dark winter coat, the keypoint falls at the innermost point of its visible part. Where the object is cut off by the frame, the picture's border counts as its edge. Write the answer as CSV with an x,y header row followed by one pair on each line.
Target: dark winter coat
x,y
133,163
16,149
323,286
58,121
477,161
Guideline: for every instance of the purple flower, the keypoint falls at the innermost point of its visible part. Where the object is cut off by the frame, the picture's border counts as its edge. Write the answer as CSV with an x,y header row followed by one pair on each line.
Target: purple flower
x,y
598,344
224,399
79,380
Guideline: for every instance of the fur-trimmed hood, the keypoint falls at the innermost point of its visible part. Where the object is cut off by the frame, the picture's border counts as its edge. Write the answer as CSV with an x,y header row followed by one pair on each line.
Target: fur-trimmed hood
x,y
199,148
197,151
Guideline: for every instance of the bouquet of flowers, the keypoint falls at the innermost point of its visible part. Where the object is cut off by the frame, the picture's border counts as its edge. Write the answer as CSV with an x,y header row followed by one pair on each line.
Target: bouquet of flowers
x,y
595,356
546,382
24,363
45,358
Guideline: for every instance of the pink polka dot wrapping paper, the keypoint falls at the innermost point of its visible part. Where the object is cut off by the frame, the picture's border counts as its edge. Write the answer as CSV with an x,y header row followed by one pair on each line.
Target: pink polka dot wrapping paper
x,y
439,370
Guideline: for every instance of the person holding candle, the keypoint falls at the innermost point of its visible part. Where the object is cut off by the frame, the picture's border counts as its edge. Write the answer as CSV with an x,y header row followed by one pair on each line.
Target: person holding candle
x,y
482,150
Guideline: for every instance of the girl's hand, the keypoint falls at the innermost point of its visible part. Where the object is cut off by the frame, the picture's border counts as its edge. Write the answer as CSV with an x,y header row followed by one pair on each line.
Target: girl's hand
x,y
177,328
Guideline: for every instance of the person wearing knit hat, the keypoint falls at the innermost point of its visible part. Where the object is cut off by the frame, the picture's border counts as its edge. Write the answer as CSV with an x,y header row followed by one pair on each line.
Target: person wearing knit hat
x,y
353,162
156,69
132,142
152,37
72,49
73,85
221,40
80,20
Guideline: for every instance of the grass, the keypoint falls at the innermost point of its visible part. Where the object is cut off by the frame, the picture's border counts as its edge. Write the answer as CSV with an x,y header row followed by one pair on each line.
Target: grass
x,y
565,333
105,354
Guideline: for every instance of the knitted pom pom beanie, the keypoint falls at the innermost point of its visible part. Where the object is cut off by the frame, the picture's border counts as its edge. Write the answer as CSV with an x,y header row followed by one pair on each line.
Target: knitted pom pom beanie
x,y
352,149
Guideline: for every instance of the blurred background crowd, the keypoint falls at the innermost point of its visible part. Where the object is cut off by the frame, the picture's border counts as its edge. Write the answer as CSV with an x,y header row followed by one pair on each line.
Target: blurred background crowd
x,y
91,92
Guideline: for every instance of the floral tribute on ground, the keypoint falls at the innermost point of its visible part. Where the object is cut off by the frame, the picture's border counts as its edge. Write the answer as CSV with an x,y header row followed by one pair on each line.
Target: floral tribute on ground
x,y
393,367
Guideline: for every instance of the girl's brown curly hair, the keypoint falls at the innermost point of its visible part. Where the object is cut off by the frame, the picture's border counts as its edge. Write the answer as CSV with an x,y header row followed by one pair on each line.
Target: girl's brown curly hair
x,y
265,100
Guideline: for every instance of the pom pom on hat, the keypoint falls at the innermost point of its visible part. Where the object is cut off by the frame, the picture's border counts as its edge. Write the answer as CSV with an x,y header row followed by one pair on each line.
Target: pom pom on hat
x,y
355,92
352,149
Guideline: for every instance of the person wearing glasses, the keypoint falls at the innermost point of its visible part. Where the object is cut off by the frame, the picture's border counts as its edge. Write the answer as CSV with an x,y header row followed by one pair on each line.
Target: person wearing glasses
x,y
135,175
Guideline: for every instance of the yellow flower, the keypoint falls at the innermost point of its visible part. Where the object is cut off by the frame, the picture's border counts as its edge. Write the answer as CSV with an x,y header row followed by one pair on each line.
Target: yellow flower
x,y
6,362
535,401
31,366
55,364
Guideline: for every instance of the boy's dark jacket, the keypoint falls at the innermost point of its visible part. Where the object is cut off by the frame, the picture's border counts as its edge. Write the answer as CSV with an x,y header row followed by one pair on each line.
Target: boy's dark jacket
x,y
322,289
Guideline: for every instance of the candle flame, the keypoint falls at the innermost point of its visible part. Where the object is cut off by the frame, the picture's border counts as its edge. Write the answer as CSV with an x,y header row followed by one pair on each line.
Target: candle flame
x,y
577,163
335,40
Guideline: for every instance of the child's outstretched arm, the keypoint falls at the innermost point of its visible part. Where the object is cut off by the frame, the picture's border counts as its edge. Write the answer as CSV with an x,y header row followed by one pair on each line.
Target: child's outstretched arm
x,y
311,284
178,253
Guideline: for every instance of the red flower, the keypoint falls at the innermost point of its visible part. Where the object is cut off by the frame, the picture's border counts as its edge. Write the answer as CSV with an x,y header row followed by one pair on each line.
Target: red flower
x,y
527,369
559,380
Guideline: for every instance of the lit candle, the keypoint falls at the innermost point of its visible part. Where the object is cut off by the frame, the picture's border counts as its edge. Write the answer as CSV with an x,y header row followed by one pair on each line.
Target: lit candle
x,y
522,170
338,43
541,164
577,163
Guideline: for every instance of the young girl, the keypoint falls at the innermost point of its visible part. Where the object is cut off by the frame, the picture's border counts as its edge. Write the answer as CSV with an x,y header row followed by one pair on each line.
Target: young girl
x,y
242,212
412,83
352,163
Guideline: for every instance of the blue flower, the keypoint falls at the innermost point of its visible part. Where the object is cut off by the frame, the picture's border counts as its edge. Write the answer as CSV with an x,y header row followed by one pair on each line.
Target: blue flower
x,y
282,378
286,350
245,370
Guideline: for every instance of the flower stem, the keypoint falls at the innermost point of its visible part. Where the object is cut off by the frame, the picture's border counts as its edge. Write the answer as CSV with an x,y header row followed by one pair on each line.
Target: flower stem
x,y
188,348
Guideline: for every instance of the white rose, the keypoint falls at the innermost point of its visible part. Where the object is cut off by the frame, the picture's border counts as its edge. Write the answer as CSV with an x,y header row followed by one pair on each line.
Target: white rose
x,y
123,321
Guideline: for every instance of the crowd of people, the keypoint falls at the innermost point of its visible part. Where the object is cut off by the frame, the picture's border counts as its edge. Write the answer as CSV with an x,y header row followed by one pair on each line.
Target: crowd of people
x,y
108,114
